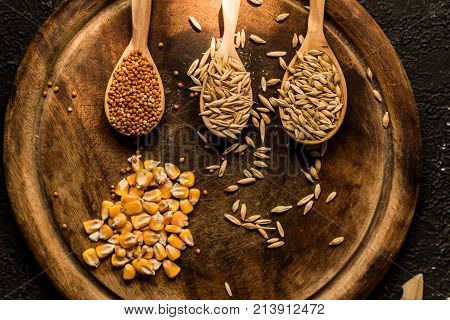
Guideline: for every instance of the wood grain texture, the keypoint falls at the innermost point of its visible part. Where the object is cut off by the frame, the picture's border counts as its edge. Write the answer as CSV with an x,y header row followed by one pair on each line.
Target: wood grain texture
x,y
375,171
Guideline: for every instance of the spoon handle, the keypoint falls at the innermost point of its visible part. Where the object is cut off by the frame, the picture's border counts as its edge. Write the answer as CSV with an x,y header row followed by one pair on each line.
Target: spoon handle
x,y
230,10
315,21
140,12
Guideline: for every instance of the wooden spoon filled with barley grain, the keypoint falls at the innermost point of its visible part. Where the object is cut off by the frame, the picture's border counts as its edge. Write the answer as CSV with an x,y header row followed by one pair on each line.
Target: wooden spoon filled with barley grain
x,y
226,98
313,94
134,98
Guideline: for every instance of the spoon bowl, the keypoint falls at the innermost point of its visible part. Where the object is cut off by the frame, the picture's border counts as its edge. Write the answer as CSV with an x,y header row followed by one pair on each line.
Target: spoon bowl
x,y
141,12
315,40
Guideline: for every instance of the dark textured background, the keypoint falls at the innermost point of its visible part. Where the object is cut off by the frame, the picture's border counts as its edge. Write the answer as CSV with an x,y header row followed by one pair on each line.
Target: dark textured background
x,y
419,31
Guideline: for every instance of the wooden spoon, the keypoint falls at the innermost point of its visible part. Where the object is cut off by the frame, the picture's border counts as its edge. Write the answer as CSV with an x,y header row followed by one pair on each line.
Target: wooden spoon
x,y
315,39
140,12
230,11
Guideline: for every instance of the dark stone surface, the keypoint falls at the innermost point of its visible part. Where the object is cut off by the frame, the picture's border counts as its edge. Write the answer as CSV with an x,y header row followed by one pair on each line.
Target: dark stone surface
x,y
419,31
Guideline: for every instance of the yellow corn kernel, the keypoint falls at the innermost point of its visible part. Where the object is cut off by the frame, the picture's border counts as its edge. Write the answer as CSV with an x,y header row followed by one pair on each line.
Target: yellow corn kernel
x,y
157,222
163,206
119,220
128,198
173,229
120,252
167,217
150,164
194,196
104,250
136,164
160,174
119,262
115,210
165,189
174,205
148,252
141,220
94,236
180,192
144,267
163,237
151,207
172,252
144,178
176,242
135,191
187,179
92,226
122,188
186,207
152,196
138,252
140,237
171,269
131,179
128,240
133,207
114,239
106,232
105,209
186,236
127,227
150,237
134,263
172,170
180,219
129,273
90,257
159,251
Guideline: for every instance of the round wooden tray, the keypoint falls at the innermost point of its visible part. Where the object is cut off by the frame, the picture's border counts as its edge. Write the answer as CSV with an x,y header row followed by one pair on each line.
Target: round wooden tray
x,y
375,171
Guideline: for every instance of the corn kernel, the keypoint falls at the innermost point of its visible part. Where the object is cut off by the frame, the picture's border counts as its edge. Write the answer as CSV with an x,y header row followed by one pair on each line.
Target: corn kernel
x,y
152,196
90,257
120,252
133,207
157,222
144,178
168,217
174,205
194,196
159,251
138,252
129,273
114,239
172,170
186,236
165,189
163,237
104,250
171,269
173,229
115,210
134,263
150,164
163,206
172,252
160,174
107,204
105,209
151,207
179,191
136,164
140,237
131,179
180,219
128,198
186,207
119,220
127,240
91,226
176,242
105,232
135,191
150,237
94,236
149,253
141,220
145,267
187,179
119,262
127,227
122,188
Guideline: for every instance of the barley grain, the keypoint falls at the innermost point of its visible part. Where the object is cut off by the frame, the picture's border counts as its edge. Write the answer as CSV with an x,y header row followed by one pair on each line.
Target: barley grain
x,y
243,211
235,206
275,245
257,39
250,141
280,229
386,120
263,84
273,240
336,241
282,17
305,200
308,207
317,191
223,168
195,24
260,164
369,74
330,197
228,289
281,209
246,181
263,233
232,219
231,189
377,95
276,54
294,41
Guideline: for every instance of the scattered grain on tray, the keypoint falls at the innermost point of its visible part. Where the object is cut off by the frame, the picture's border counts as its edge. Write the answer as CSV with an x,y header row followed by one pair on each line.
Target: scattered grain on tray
x,y
282,17
308,207
195,24
336,241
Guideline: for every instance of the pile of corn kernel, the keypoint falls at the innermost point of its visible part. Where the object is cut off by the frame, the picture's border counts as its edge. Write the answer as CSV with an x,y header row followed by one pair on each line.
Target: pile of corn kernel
x,y
146,228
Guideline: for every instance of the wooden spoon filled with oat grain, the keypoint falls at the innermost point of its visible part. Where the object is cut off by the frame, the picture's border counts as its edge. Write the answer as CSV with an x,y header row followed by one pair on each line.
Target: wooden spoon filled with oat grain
x,y
134,98
226,98
313,95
